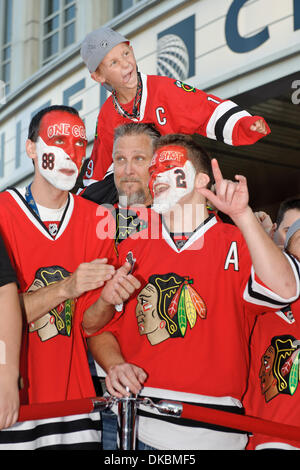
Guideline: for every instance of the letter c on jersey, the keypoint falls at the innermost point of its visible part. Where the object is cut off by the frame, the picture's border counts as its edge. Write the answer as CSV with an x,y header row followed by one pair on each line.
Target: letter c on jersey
x,y
159,116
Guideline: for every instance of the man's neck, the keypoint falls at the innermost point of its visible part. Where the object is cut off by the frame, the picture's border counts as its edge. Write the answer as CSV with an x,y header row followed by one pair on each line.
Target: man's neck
x,y
186,218
47,195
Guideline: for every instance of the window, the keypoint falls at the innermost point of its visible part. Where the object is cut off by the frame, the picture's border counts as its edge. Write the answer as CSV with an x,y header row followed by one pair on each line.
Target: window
x,y
59,22
5,59
122,5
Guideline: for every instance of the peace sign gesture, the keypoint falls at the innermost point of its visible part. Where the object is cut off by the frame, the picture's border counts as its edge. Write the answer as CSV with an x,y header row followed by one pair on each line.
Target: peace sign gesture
x,y
230,197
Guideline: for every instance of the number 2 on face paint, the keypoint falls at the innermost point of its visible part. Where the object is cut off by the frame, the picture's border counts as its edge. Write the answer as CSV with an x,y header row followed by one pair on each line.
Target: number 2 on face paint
x,y
180,179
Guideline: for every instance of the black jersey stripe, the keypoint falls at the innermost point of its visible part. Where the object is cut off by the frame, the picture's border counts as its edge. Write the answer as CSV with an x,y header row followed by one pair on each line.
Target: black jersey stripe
x,y
295,263
49,429
77,446
259,296
221,122
197,424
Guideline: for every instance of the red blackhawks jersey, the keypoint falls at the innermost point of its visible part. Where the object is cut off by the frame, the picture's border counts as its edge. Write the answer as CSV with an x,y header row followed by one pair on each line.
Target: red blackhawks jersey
x,y
173,107
54,364
274,391
189,325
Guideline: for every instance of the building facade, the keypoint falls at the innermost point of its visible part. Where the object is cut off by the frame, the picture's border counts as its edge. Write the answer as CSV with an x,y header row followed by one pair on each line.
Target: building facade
x,y
247,50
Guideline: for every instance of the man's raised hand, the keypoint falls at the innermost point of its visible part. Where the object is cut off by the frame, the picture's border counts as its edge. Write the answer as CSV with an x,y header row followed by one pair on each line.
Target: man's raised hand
x,y
230,197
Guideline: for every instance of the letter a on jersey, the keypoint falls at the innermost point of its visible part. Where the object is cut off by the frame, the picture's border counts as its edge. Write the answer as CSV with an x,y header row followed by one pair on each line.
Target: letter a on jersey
x,y
232,257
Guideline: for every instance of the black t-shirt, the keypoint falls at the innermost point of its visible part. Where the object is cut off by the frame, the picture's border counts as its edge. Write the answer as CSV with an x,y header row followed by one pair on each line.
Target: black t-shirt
x,y
7,274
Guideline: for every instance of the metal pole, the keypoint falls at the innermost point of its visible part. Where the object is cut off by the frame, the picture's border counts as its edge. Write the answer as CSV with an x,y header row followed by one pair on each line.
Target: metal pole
x,y
127,414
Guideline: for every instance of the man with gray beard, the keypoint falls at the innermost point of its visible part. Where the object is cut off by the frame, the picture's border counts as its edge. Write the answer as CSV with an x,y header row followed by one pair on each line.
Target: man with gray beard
x,y
132,155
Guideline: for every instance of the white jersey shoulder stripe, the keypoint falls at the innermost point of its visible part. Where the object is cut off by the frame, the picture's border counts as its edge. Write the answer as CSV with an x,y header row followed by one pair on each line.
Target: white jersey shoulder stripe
x,y
144,96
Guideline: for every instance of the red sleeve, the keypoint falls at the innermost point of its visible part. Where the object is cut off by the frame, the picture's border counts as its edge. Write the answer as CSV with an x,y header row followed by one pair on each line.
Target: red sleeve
x,y
101,241
242,134
193,111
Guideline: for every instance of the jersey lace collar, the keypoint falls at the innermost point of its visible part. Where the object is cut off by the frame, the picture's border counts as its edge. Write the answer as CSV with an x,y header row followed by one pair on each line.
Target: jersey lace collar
x,y
189,238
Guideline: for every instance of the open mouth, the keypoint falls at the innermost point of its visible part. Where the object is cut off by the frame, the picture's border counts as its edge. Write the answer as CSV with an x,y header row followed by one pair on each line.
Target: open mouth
x,y
127,77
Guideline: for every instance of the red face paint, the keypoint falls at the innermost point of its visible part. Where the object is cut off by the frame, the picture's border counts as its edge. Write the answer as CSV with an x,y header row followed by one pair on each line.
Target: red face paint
x,y
164,159
146,306
66,131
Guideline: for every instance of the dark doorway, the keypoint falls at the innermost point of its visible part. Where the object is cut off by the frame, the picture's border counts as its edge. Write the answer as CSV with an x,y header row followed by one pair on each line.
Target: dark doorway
x,y
272,165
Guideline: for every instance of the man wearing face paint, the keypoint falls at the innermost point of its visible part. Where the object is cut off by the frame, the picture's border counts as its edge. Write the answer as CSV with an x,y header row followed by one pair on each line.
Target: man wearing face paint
x,y
174,177
60,149
185,335
67,281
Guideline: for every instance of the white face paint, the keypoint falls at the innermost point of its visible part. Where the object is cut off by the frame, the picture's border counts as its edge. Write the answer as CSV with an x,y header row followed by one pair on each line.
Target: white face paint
x,y
56,166
172,185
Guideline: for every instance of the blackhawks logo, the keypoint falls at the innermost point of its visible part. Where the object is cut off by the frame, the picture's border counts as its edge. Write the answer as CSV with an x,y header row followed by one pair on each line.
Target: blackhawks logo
x,y
167,306
185,87
59,320
279,371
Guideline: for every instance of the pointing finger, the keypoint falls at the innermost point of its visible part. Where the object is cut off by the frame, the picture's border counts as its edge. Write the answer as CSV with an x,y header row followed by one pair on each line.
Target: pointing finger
x,y
216,171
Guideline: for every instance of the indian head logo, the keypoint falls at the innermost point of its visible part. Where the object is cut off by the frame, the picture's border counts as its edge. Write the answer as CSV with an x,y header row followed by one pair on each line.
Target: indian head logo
x,y
59,320
167,306
279,371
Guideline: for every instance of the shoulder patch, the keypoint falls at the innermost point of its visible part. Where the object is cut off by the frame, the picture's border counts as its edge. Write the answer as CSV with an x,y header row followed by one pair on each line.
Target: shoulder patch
x,y
185,87
128,223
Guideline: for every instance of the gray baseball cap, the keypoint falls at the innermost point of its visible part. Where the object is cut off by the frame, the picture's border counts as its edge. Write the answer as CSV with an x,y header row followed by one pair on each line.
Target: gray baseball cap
x,y
97,44
293,229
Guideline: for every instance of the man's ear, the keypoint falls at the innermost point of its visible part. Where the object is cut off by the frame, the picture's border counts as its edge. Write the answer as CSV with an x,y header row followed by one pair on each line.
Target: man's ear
x,y
31,149
201,180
